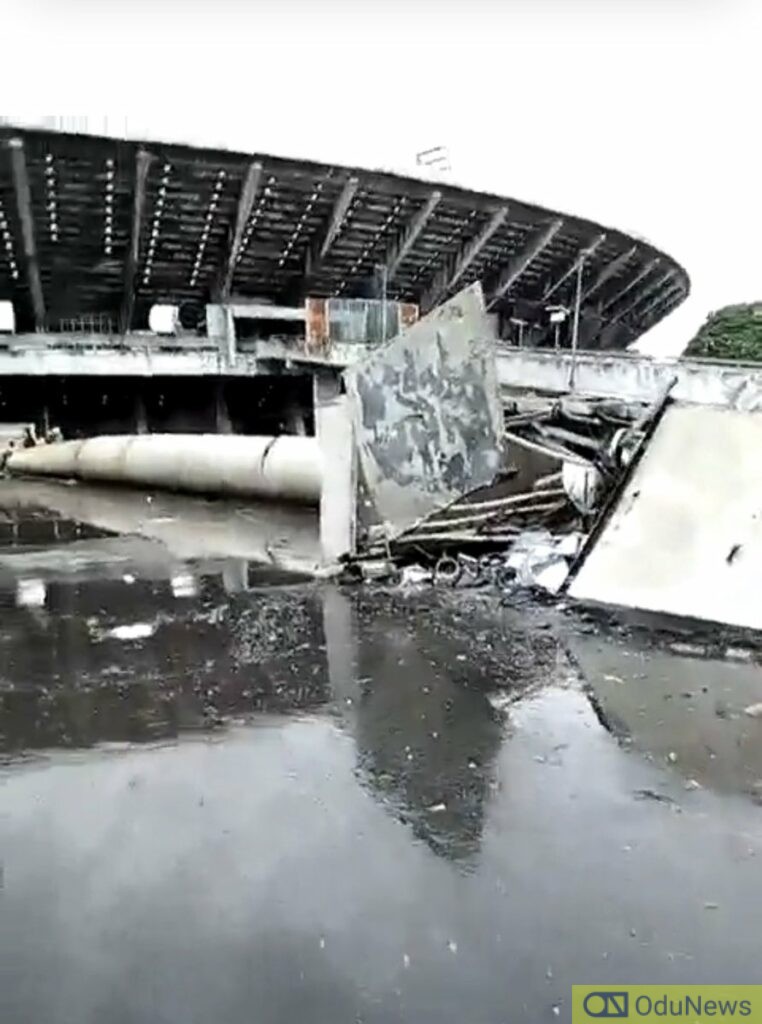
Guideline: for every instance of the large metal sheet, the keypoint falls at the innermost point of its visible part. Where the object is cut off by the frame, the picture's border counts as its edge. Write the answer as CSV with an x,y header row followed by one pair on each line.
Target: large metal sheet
x,y
427,414
686,536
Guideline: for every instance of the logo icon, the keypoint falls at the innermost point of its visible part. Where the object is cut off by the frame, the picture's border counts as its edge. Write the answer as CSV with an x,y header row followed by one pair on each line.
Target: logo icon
x,y
607,1004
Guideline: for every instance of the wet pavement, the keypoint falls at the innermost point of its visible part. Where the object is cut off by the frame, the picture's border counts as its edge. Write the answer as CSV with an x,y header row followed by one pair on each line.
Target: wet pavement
x,y
229,794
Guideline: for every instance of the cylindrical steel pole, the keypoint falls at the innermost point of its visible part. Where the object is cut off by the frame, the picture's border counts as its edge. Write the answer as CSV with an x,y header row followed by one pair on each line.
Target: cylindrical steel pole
x,y
286,468
575,323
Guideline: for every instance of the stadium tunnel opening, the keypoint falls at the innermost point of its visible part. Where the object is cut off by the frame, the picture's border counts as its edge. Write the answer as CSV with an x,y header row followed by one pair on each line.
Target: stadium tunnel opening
x,y
88,406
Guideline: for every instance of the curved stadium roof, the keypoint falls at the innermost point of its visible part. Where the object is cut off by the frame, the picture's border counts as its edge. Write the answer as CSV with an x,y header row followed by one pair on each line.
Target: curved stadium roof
x,y
102,227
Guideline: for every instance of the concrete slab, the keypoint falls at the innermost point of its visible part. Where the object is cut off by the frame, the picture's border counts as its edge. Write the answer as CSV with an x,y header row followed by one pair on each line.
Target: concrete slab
x,y
427,413
686,535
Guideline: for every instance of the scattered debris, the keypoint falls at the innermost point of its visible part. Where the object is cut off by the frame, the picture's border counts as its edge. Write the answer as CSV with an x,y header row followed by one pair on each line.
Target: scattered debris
x,y
132,631
689,650
739,654
31,593
415,575
651,794
532,536
377,569
753,711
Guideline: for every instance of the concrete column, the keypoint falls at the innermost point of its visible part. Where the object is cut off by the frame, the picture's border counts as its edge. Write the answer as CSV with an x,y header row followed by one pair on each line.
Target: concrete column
x,y
338,499
141,417
222,422
296,420
220,327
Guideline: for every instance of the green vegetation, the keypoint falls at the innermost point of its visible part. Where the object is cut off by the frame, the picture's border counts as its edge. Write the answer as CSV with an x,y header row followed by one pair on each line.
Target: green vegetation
x,y
734,332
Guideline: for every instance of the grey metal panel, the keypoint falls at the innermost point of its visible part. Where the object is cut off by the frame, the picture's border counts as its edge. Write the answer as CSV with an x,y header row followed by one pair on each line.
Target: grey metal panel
x,y
686,535
427,413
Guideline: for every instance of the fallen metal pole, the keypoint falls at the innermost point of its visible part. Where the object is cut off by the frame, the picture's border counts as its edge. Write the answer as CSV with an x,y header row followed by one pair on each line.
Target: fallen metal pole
x,y
460,536
526,497
498,515
563,455
285,468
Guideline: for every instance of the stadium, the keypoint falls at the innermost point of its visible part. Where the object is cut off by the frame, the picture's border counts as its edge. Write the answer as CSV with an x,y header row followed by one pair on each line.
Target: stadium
x,y
95,231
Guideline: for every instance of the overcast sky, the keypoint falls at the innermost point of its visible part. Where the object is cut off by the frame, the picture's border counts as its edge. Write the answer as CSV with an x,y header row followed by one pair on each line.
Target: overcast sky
x,y
643,115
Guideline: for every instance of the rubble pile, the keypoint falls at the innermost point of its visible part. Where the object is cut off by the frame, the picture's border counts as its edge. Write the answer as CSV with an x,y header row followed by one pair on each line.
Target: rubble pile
x,y
592,441
536,559
532,537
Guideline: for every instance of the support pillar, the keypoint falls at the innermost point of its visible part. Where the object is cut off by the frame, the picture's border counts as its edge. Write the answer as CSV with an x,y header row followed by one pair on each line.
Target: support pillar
x,y
220,327
296,420
338,499
222,424
141,416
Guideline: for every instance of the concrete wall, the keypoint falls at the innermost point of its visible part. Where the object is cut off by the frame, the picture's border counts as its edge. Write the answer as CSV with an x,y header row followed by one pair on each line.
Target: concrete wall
x,y
633,377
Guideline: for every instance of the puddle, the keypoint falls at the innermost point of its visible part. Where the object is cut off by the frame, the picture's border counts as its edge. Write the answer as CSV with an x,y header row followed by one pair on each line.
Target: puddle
x,y
686,712
223,786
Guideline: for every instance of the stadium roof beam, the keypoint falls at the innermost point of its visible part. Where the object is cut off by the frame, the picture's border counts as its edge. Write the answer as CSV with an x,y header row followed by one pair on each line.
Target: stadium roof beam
x,y
672,302
660,302
446,278
249,191
24,207
649,289
338,216
582,255
143,161
416,225
608,271
519,262
311,207
642,273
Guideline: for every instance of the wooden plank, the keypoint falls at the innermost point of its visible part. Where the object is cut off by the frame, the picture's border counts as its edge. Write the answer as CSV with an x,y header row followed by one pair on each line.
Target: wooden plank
x,y
24,206
526,499
143,160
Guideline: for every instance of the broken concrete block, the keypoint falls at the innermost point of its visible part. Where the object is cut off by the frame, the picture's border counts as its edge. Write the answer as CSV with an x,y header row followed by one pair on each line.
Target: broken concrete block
x,y
427,415
551,577
415,575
